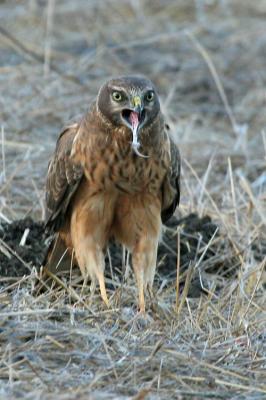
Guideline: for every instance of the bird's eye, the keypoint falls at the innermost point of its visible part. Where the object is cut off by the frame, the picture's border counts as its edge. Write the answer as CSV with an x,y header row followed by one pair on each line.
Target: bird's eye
x,y
117,96
149,96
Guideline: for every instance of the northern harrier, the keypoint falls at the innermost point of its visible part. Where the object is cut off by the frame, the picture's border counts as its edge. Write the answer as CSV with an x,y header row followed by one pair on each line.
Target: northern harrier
x,y
114,174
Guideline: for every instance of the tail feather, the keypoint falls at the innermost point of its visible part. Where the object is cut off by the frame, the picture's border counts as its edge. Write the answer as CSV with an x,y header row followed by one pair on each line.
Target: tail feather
x,y
57,259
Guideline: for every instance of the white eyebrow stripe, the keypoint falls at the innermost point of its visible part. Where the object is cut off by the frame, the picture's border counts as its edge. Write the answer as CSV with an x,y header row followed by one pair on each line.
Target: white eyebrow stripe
x,y
119,88
130,89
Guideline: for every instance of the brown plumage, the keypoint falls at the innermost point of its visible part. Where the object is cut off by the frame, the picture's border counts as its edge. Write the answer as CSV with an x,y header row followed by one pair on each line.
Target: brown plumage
x,y
115,173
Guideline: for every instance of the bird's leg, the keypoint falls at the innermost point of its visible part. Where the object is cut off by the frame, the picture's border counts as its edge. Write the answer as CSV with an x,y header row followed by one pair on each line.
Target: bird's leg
x,y
84,284
144,264
101,281
91,262
92,287
139,273
91,219
102,287
84,288
150,291
138,226
150,272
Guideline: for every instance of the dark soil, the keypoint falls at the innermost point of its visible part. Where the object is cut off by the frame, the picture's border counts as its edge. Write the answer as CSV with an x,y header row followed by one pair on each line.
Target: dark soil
x,y
17,260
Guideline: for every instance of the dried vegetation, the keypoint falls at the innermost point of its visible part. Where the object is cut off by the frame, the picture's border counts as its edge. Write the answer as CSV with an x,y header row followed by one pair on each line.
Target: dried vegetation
x,y
208,60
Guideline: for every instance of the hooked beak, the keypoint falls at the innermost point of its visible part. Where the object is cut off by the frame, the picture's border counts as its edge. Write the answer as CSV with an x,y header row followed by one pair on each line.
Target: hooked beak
x,y
137,105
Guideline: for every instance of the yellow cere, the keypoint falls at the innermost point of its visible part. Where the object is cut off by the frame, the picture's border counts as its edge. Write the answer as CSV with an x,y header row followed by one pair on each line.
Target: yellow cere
x,y
136,101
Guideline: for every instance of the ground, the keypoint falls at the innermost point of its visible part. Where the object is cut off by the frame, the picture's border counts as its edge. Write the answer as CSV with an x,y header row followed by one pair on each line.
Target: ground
x,y
204,334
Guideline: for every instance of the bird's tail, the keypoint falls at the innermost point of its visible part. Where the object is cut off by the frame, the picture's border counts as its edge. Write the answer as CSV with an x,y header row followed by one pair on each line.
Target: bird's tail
x,y
57,260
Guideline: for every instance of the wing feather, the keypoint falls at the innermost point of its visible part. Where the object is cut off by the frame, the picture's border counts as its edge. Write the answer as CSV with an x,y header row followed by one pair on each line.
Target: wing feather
x,y
171,184
63,178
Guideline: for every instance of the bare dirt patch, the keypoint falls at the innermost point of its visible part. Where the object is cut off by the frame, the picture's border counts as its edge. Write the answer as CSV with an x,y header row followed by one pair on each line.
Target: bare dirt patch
x,y
24,245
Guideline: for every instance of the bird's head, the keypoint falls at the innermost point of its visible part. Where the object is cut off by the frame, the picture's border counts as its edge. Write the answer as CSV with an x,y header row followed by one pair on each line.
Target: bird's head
x,y
130,101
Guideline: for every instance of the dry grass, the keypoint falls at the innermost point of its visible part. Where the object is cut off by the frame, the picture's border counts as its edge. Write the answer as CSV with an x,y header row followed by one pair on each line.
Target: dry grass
x,y
207,58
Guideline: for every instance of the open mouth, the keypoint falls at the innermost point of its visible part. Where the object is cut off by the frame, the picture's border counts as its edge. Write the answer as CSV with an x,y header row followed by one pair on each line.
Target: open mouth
x,y
132,117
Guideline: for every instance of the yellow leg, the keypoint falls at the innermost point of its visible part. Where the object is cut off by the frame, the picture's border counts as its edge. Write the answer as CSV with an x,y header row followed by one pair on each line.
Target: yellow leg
x,y
140,283
144,263
90,224
103,289
84,284
91,263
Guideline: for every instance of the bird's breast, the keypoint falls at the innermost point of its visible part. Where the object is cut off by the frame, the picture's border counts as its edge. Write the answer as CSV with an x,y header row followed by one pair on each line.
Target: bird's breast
x,y
122,170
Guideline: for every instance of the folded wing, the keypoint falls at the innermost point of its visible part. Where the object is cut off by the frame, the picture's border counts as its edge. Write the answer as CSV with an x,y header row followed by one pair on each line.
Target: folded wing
x,y
63,179
171,184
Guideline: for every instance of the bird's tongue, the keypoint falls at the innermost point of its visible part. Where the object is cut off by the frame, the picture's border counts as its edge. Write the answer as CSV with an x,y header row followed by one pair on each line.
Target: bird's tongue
x,y
134,119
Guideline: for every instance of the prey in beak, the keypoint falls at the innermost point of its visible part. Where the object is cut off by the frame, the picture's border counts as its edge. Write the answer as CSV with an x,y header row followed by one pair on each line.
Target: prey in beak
x,y
134,119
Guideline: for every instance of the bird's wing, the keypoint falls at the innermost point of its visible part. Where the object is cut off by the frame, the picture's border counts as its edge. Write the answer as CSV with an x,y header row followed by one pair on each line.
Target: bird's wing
x,y
63,178
171,183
